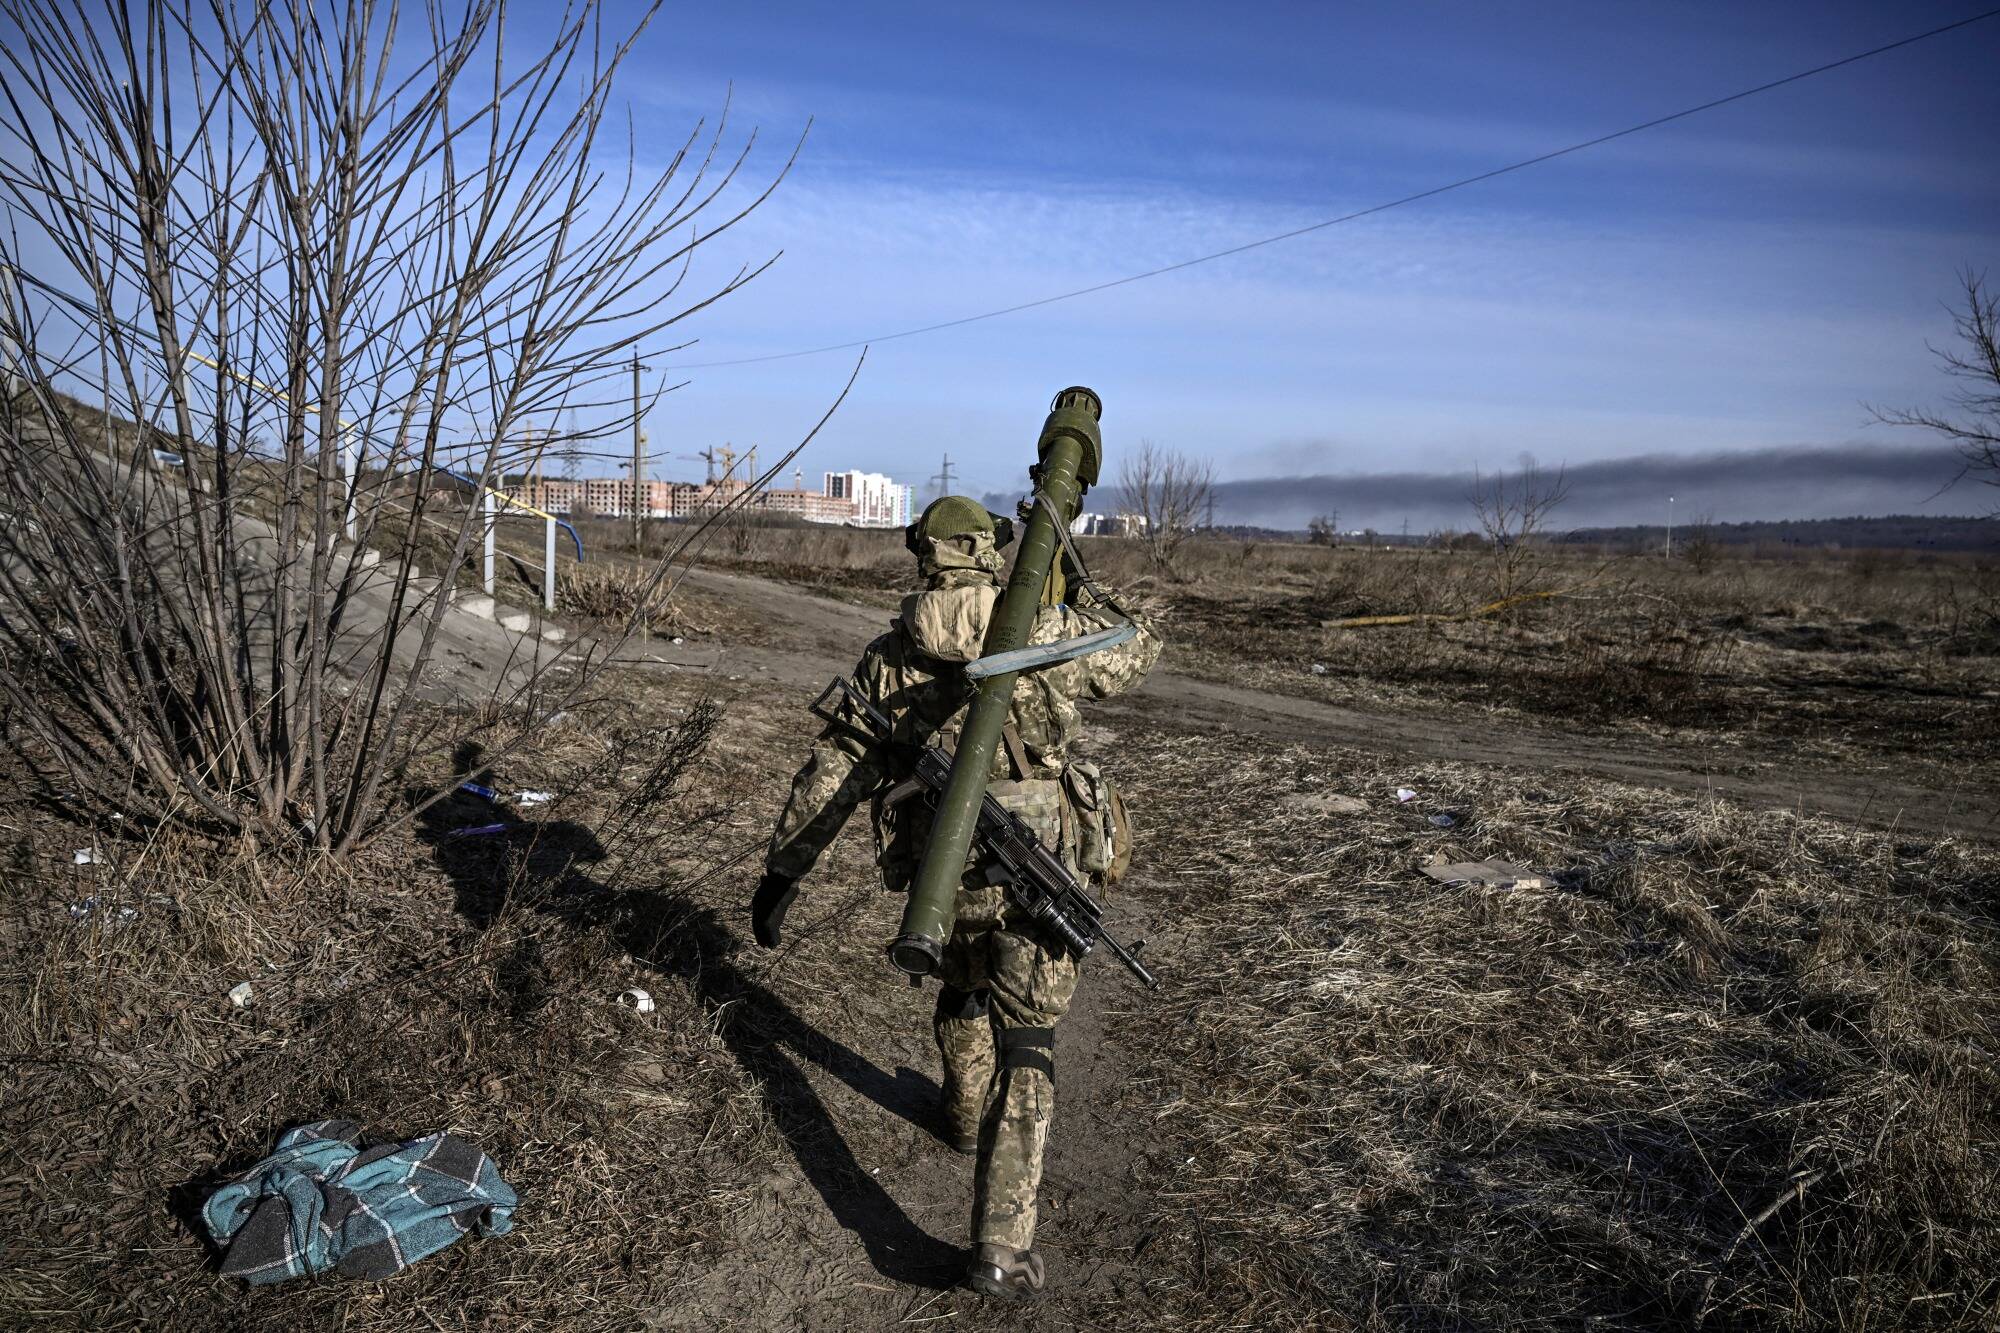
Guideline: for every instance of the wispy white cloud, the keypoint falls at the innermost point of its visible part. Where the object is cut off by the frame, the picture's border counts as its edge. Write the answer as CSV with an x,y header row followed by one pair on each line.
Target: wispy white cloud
x,y
1469,331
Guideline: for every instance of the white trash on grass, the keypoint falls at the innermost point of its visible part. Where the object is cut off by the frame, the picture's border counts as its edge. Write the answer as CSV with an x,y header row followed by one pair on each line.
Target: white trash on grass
x,y
639,1001
239,995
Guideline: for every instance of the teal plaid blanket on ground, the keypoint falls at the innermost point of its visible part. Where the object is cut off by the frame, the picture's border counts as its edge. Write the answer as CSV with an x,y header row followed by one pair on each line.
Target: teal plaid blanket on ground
x,y
322,1202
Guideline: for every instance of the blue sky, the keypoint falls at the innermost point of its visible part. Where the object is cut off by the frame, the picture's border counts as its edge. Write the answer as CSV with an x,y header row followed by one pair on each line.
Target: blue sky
x,y
1743,280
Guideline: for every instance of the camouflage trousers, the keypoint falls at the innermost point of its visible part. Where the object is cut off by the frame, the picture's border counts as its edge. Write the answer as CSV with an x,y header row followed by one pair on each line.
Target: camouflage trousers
x,y
1003,994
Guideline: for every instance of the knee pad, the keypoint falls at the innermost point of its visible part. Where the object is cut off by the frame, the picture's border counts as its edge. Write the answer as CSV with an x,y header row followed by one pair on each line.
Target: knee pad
x,y
953,1003
1029,1048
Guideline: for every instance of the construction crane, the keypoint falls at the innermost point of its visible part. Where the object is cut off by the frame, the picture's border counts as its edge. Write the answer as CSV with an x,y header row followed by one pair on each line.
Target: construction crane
x,y
726,456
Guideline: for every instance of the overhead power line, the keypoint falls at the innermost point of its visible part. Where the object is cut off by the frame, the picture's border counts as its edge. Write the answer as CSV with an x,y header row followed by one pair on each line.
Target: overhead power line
x,y
1358,213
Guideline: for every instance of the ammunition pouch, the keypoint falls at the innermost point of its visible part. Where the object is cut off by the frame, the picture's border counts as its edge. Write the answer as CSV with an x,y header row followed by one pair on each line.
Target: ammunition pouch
x,y
1095,823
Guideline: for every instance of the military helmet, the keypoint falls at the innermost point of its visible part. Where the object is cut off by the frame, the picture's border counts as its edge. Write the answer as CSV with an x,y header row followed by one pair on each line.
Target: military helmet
x,y
956,516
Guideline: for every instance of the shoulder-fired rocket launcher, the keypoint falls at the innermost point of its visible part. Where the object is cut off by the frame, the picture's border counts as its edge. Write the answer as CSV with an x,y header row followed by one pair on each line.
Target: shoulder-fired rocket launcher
x,y
1071,452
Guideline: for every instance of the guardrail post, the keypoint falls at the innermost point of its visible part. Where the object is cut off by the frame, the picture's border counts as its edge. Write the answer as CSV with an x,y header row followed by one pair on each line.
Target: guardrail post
x,y
549,564
486,504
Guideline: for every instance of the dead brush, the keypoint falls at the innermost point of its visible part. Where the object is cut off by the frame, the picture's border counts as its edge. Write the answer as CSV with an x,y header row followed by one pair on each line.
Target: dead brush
x,y
1660,663
1731,1073
618,594
382,990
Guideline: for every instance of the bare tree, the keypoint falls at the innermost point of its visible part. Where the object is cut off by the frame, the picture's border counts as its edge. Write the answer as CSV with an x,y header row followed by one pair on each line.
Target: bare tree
x,y
1513,514
1167,491
1699,545
1324,529
1975,363
320,272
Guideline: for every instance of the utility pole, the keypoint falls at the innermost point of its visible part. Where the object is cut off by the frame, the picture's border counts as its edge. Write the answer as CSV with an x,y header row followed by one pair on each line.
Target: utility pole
x,y
638,466
943,479
1670,527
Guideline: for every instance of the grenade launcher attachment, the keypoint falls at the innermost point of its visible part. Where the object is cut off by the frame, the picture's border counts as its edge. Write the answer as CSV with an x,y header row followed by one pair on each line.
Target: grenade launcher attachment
x,y
1035,880
1070,451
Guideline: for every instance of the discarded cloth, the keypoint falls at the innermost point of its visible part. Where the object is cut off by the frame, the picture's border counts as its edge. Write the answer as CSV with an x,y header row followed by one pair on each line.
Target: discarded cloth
x,y
323,1202
1493,873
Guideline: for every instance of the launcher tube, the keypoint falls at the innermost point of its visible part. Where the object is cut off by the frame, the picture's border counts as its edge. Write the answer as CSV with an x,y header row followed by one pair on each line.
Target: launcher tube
x,y
1071,451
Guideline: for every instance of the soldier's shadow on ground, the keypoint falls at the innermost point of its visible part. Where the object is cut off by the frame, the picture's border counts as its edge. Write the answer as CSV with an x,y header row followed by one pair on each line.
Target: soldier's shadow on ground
x,y
545,867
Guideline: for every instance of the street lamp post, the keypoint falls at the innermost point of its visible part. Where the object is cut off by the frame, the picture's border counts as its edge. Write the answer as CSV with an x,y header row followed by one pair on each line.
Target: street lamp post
x,y
638,467
1670,527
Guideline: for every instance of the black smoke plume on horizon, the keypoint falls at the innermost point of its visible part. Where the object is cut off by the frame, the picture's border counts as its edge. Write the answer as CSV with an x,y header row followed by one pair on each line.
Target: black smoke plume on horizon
x,y
1814,481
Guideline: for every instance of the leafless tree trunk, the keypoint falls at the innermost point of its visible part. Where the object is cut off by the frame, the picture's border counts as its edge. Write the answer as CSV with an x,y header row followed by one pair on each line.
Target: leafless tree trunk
x,y
1698,545
1975,364
1513,513
1167,491
322,258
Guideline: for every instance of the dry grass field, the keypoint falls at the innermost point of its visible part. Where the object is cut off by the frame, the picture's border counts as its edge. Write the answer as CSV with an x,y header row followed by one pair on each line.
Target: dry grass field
x,y
1730,1069
1866,659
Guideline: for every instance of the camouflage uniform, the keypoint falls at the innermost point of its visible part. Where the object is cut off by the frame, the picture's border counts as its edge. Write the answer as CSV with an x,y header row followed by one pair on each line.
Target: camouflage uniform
x,y
1005,985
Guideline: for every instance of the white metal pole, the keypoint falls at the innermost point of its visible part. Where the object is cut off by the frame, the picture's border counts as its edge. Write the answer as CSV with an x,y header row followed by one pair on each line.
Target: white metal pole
x,y
549,565
1670,527
486,503
10,350
352,468
638,468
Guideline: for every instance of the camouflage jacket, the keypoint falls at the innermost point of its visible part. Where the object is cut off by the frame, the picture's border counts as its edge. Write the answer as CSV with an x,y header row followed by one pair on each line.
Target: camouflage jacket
x,y
911,673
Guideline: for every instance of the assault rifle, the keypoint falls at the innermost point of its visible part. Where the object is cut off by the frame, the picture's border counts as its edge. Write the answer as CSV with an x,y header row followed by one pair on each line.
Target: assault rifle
x,y
1036,881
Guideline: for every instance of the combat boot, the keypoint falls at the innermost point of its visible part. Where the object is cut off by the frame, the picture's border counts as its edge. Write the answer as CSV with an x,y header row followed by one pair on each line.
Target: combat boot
x,y
1010,1274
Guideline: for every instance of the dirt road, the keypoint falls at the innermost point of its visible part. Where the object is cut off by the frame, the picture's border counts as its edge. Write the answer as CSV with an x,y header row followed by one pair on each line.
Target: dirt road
x,y
863,1230
860,1225
805,638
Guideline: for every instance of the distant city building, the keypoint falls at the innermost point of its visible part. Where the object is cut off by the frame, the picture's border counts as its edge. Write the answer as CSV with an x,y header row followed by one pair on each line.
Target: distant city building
x,y
879,501
612,497
1108,525
812,506
862,499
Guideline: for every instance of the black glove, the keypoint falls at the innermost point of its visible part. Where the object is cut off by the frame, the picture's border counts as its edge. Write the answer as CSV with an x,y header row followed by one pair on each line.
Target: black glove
x,y
768,906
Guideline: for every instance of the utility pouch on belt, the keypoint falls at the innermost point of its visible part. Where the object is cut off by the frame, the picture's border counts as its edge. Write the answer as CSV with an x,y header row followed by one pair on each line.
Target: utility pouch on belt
x,y
1098,827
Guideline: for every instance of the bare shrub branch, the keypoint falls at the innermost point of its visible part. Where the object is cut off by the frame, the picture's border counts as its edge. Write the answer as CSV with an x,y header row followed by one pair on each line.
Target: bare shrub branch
x,y
285,289
1513,513
1168,492
1975,364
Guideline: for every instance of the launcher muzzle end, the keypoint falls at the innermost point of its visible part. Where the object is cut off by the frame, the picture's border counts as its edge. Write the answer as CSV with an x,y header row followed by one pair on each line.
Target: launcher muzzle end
x,y
918,955
1074,414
